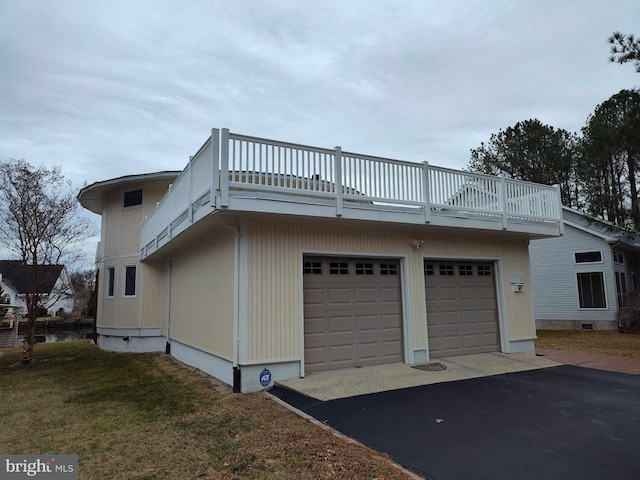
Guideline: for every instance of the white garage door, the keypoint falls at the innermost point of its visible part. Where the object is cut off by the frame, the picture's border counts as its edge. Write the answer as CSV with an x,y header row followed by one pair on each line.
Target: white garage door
x,y
462,313
352,312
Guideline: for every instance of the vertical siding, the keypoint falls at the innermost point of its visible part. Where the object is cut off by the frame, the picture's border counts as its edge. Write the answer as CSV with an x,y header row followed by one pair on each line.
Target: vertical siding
x,y
119,246
154,296
554,280
275,277
202,289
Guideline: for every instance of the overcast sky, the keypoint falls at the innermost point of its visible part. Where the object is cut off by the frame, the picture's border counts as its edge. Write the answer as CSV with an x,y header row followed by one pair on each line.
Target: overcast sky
x,y
111,88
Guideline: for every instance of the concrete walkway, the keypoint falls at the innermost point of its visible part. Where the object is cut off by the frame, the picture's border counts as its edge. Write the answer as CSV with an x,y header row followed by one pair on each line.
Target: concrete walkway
x,y
349,382
608,363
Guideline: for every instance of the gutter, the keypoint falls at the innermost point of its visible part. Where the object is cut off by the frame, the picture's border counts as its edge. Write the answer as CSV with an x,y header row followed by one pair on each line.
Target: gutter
x,y
236,303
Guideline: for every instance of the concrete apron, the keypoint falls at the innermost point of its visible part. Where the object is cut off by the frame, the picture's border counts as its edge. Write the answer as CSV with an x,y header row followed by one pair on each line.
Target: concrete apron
x,y
349,382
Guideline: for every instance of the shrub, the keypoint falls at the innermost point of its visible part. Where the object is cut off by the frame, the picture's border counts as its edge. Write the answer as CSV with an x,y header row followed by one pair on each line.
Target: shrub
x,y
629,314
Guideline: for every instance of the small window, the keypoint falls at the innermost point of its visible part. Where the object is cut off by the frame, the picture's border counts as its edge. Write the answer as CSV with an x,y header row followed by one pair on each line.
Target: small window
x,y
313,268
429,270
588,257
466,270
618,257
388,269
129,281
621,288
132,198
364,268
446,270
484,270
339,268
111,277
591,290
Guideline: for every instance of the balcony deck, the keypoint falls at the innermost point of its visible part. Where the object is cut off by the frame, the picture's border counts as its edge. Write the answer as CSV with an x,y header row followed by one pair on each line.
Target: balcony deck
x,y
239,173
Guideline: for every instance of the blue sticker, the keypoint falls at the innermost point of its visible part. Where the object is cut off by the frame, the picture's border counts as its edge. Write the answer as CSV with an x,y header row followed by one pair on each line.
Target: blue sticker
x,y
265,377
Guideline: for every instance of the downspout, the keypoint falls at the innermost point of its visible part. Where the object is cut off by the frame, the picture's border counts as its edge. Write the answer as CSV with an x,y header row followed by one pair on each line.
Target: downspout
x,y
167,348
236,302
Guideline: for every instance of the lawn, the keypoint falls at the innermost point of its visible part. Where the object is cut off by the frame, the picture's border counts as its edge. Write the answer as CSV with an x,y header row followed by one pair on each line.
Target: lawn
x,y
598,342
144,416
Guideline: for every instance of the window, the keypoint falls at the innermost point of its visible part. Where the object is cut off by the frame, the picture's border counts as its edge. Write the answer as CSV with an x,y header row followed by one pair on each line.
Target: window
x,y
314,268
339,268
618,257
446,270
111,277
621,287
484,270
591,290
588,257
129,281
388,269
429,270
132,198
364,268
466,270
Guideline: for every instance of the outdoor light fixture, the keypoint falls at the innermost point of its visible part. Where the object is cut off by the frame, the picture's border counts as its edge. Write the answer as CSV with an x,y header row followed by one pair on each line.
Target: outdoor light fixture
x,y
418,243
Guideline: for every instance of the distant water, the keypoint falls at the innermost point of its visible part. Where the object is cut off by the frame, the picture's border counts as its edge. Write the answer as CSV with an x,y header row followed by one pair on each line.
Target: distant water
x,y
59,335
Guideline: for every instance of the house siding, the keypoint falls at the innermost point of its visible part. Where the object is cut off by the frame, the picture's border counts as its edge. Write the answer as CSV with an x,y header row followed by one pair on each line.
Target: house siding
x,y
274,290
202,294
555,288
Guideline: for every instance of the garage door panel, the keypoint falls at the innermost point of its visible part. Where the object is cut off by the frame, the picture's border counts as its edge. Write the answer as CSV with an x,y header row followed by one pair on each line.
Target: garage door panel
x,y
339,296
461,308
360,310
339,324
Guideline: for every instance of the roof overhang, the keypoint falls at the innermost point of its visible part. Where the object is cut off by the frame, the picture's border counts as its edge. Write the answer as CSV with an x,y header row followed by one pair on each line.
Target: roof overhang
x,y
90,197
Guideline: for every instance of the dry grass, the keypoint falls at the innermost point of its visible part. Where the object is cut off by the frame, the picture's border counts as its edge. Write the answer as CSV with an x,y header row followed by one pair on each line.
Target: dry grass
x,y
597,342
143,416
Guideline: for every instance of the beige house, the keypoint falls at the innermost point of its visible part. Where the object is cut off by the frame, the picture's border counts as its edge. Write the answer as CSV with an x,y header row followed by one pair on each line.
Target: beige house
x,y
266,254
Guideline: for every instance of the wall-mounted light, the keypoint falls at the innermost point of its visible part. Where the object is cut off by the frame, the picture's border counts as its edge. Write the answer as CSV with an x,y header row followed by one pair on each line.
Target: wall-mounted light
x,y
418,243
125,339
517,282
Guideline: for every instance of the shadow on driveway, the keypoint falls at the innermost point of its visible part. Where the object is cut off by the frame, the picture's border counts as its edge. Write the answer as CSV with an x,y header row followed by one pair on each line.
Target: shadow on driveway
x,y
554,423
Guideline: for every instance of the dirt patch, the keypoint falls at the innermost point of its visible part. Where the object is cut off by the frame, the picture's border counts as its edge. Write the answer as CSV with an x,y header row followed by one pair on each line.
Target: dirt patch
x,y
596,342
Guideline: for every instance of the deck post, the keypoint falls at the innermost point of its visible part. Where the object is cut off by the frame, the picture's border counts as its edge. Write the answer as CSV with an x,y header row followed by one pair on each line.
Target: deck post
x,y
426,194
559,208
224,168
338,182
503,200
215,168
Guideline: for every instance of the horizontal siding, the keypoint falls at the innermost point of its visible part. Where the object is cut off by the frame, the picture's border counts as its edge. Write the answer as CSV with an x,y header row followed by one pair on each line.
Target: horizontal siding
x,y
202,291
555,286
275,277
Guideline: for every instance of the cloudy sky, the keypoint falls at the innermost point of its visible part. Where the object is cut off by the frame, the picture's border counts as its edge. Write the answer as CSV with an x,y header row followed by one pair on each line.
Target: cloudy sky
x,y
111,88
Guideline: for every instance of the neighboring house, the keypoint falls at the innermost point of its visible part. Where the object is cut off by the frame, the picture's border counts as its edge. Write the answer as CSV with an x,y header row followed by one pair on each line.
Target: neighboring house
x,y
580,280
266,254
55,286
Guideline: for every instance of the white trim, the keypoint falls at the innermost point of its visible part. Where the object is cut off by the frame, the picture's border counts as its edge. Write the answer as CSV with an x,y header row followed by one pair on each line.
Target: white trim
x,y
407,333
128,332
597,262
119,256
604,287
124,281
129,190
111,268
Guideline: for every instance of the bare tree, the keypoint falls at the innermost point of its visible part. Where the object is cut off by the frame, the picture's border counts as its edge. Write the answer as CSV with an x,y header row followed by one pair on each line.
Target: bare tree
x,y
40,222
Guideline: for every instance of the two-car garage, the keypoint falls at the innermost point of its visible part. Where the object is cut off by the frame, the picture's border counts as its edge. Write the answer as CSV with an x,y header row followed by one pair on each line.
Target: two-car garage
x,y
353,310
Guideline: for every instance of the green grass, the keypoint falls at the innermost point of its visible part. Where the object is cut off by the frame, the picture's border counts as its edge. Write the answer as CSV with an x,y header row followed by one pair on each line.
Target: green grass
x,y
144,416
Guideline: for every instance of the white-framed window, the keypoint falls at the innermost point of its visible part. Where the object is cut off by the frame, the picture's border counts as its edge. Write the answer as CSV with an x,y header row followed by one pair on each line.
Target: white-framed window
x,y
621,287
129,281
132,198
591,291
594,256
618,257
111,280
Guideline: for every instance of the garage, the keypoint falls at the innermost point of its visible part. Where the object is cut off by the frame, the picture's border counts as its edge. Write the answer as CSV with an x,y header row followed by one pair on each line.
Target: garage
x,y
352,312
462,316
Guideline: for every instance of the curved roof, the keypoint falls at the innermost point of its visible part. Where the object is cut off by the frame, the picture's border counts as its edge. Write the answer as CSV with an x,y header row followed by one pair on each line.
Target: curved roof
x,y
90,197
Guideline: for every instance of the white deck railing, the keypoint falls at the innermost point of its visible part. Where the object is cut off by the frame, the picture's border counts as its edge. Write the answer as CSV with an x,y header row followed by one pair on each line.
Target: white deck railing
x,y
230,162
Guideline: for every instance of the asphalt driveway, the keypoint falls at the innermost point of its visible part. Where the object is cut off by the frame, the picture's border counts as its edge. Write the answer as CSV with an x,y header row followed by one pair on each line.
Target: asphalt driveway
x,y
554,423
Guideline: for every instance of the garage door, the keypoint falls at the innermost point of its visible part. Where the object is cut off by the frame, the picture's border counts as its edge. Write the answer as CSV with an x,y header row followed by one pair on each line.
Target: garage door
x,y
352,312
461,308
